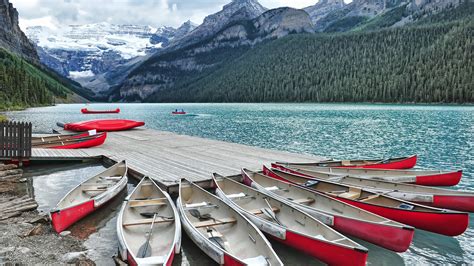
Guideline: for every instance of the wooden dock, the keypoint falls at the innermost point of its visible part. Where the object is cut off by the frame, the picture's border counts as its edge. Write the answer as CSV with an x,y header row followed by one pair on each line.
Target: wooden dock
x,y
166,157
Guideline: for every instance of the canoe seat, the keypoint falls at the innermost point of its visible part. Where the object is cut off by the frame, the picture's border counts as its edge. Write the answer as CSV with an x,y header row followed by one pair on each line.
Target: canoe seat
x,y
113,178
353,193
346,163
199,205
259,211
94,189
148,202
148,221
304,201
370,197
209,223
260,260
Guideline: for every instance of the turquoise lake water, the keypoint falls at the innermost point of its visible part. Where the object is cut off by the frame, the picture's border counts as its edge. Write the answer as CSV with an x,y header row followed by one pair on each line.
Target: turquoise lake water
x,y
442,136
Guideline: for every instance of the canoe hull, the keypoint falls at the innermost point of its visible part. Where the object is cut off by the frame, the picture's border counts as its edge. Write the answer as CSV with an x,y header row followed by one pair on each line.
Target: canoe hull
x,y
392,238
446,180
406,163
104,125
61,220
450,224
85,144
87,111
330,254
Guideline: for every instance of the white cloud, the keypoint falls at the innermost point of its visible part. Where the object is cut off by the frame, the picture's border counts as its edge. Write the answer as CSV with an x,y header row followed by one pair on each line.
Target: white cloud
x,y
141,12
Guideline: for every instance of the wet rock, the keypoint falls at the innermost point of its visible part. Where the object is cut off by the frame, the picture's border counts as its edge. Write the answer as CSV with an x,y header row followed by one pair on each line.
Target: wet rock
x,y
74,257
37,230
40,219
86,262
65,233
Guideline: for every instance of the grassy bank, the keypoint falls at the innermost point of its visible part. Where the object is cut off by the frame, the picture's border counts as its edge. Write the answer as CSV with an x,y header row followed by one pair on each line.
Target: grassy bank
x,y
3,118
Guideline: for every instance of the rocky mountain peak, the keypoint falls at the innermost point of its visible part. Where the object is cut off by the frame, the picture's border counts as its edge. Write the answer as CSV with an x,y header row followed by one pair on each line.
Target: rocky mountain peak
x,y
322,9
11,36
233,11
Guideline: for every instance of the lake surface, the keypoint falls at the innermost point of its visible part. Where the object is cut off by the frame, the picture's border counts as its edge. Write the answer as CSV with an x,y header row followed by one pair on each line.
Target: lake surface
x,y
442,136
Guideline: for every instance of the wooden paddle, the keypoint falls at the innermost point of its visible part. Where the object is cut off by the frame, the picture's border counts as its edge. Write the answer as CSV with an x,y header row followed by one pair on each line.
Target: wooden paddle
x,y
270,213
145,249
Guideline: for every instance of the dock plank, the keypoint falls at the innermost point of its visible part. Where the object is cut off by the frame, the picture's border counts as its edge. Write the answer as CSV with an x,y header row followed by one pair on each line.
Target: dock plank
x,y
167,157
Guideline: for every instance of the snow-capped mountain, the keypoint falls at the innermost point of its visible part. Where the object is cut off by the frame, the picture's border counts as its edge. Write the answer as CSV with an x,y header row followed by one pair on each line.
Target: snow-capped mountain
x,y
84,51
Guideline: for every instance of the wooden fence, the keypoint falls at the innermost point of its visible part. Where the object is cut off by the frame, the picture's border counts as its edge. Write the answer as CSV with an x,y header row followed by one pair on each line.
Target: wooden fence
x,y
15,141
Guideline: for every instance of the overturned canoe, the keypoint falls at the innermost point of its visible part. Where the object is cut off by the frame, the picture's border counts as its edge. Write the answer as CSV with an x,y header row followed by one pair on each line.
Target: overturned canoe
x,y
341,216
140,244
436,197
290,225
102,125
392,163
221,232
88,196
419,177
419,216
87,111
80,141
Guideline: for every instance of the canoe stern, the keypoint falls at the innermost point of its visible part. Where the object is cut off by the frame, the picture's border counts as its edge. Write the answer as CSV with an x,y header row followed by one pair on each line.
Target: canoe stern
x,y
62,219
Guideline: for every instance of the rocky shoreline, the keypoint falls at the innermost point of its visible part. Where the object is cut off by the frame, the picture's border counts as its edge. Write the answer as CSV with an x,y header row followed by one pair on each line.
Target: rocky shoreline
x,y
26,236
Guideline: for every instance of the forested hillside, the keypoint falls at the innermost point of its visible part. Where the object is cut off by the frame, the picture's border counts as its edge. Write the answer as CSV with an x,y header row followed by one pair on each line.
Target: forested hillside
x,y
428,63
23,84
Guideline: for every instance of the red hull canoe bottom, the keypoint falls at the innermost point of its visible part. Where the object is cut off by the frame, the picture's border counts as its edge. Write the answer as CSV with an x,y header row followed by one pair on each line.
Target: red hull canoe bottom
x,y
230,261
406,163
450,224
446,180
392,238
325,252
61,220
104,125
87,111
85,144
460,203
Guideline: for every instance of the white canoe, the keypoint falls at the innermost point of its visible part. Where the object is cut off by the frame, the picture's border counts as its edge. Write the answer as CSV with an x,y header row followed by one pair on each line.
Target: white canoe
x,y
148,205
221,232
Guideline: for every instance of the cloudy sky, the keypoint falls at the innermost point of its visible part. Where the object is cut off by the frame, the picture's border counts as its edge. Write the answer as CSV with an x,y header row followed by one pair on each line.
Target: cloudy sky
x,y
54,13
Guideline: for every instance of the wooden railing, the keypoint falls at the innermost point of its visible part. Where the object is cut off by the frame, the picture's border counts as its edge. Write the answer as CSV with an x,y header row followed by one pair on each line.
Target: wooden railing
x,y
15,141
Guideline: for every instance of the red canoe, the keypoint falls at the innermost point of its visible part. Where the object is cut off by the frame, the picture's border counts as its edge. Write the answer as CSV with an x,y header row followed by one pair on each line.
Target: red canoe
x,y
441,221
418,177
178,113
89,196
87,111
289,225
341,216
392,163
80,141
103,125
458,200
